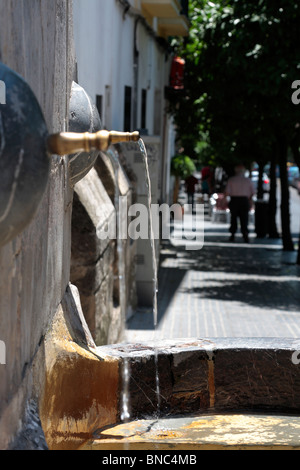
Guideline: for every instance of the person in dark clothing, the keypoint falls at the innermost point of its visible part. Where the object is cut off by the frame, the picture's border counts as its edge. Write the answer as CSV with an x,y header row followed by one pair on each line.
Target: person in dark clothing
x,y
241,191
207,180
190,184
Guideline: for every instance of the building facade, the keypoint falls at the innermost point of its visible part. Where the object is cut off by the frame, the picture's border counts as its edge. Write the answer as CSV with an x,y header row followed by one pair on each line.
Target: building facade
x,y
47,327
124,61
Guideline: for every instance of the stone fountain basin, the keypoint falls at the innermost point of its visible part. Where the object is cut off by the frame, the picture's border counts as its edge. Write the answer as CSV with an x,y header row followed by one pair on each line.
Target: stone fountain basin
x,y
84,385
210,375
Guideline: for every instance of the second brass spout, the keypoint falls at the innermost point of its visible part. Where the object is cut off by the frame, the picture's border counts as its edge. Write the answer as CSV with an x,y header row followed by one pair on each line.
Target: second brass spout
x,y
66,143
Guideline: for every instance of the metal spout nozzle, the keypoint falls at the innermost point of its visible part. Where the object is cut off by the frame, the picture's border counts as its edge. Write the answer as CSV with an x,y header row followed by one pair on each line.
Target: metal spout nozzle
x,y
66,143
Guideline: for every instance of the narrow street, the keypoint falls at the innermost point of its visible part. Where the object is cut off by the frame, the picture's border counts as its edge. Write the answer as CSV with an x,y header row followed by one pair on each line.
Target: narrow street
x,y
225,289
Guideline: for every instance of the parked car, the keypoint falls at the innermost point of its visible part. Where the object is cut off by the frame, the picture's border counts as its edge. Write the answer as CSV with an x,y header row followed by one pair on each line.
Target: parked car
x,y
293,174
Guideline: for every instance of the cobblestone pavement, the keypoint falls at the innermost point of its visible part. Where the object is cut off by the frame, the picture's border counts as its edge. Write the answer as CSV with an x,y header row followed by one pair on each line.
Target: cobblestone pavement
x,y
223,290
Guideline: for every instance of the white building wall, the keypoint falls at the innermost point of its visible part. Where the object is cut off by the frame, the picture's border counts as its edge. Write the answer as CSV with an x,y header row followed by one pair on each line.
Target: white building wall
x,y
114,49
105,43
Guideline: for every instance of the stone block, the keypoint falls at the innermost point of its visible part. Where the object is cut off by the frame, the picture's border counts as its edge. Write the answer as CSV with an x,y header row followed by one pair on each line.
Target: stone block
x,y
80,391
217,375
166,379
36,41
258,376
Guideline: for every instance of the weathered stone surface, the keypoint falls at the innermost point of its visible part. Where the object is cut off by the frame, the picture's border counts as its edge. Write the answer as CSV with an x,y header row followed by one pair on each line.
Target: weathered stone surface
x,y
190,390
31,436
211,375
112,170
108,320
144,399
168,378
135,165
93,259
257,378
108,166
100,265
81,388
100,210
36,42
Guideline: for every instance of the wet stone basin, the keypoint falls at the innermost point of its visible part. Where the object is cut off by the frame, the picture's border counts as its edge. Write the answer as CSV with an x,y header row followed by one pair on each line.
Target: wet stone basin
x,y
207,384
209,375
215,432
206,394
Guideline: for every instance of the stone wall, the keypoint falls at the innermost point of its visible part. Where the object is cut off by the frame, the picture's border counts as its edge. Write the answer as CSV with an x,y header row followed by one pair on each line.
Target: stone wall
x,y
134,161
118,181
95,268
36,40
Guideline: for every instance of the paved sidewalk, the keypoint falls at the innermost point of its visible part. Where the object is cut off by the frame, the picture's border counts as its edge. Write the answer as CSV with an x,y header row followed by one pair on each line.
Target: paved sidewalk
x,y
223,290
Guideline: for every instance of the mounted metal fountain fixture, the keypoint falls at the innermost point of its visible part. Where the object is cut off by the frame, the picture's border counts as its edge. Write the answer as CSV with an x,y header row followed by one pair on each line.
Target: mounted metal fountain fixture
x,y
65,143
25,150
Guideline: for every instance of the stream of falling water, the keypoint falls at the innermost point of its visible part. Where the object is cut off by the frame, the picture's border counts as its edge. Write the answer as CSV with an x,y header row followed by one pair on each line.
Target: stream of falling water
x,y
125,405
125,398
154,263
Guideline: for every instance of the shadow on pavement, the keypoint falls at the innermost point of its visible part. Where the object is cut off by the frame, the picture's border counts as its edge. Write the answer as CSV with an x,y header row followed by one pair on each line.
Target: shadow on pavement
x,y
258,274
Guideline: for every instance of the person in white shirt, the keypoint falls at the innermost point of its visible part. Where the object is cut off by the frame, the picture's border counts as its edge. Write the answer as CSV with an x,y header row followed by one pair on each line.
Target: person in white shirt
x,y
241,191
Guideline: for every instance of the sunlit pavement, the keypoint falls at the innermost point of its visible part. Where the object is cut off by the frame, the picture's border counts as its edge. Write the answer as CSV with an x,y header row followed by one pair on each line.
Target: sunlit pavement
x,y
223,289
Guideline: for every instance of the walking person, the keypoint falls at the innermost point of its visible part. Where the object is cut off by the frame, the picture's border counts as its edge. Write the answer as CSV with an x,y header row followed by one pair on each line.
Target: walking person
x,y
191,183
207,176
241,190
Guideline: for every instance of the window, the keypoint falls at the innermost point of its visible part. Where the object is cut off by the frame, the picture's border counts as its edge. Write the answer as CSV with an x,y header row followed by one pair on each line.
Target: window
x,y
144,110
157,112
127,109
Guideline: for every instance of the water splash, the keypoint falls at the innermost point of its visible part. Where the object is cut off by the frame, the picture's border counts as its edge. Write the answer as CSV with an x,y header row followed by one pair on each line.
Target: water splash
x,y
125,410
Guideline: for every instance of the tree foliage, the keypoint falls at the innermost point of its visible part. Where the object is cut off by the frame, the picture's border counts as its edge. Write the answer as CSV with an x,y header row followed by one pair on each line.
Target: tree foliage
x,y
242,57
182,166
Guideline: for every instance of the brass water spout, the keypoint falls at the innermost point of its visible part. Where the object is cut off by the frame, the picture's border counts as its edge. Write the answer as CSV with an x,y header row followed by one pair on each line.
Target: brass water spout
x,y
66,143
